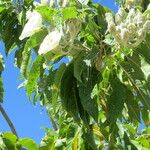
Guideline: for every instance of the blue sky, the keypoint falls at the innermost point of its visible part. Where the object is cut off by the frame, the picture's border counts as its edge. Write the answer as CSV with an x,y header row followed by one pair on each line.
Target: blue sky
x,y
28,119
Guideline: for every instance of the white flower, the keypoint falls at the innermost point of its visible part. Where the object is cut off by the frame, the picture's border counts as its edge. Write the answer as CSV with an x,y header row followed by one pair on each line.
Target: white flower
x,y
121,14
50,42
65,3
111,23
72,28
132,3
45,2
34,23
84,2
128,30
139,19
131,16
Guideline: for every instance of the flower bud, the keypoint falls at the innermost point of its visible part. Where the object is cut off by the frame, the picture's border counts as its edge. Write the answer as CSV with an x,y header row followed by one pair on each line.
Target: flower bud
x,y
120,15
50,42
34,23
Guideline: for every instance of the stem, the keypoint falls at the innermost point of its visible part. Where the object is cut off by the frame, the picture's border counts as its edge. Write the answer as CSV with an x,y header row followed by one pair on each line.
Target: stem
x,y
53,123
12,127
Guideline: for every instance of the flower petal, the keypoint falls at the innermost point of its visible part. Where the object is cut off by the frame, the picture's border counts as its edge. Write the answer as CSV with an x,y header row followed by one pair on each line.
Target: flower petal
x,y
34,23
50,42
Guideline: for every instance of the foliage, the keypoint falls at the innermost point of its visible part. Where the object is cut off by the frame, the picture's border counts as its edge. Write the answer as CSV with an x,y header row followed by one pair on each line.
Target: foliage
x,y
101,96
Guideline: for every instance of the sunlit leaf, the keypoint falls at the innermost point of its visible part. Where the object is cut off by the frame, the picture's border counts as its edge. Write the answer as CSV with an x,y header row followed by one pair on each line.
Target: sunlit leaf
x,y
28,143
34,75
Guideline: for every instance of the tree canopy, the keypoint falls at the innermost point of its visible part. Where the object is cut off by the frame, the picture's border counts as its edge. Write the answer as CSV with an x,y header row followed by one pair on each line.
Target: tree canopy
x,y
101,96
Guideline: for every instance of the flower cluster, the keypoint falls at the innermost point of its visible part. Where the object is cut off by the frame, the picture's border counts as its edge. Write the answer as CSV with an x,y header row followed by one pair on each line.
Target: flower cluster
x,y
51,3
58,39
128,29
133,3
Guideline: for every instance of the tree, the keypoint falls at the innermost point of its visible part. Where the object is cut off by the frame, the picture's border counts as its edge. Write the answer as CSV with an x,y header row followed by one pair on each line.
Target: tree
x,y
99,98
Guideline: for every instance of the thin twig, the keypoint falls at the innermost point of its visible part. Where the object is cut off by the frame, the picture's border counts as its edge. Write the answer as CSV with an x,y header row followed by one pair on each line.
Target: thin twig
x,y
9,122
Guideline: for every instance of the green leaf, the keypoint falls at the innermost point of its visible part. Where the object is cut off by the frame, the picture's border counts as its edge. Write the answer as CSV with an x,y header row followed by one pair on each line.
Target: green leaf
x,y
2,7
132,106
85,91
28,3
47,143
68,93
133,67
69,13
25,62
128,143
28,143
137,144
1,63
9,32
143,50
56,84
79,66
10,140
89,137
1,90
46,12
18,57
36,39
131,129
34,75
117,98
144,98
101,10
146,116
75,143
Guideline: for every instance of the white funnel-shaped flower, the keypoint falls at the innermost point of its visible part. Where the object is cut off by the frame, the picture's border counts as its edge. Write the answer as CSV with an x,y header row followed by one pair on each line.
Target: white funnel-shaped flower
x,y
34,23
50,42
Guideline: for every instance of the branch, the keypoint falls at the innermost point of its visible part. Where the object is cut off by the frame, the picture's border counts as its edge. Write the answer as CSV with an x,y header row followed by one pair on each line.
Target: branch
x,y
8,120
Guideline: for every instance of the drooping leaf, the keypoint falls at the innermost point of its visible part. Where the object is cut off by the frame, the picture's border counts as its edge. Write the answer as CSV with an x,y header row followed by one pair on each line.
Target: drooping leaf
x,y
18,57
68,92
117,98
143,50
9,29
133,67
132,106
34,75
89,137
79,66
56,84
85,90
25,62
